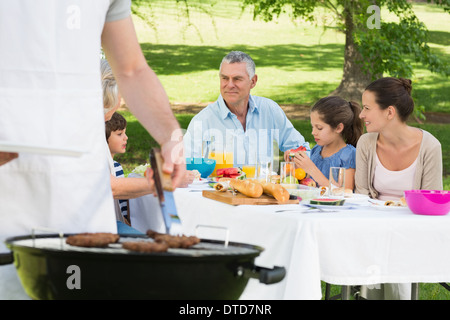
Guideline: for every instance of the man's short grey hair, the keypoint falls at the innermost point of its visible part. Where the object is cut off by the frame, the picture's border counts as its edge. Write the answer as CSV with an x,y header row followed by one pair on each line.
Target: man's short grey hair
x,y
238,57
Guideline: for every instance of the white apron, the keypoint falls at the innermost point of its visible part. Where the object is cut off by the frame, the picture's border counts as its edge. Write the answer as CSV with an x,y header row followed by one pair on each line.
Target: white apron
x,y
50,95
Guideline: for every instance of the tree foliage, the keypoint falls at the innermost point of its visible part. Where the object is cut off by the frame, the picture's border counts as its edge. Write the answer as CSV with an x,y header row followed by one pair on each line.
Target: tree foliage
x,y
385,49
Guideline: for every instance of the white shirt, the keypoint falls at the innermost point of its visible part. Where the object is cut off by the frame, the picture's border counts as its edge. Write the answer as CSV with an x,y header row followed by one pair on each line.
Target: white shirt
x,y
391,184
265,123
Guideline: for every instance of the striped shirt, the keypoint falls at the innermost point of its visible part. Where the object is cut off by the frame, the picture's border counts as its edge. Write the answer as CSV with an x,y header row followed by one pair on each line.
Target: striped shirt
x,y
123,204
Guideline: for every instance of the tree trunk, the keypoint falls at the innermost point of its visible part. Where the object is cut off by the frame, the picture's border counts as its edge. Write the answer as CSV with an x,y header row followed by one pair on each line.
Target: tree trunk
x,y
354,79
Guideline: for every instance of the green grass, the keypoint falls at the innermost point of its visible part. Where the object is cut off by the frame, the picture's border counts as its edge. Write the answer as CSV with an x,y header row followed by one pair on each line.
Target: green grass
x,y
427,291
297,63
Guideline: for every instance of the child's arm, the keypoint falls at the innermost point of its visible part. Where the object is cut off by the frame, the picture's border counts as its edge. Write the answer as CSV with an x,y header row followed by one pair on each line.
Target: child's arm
x,y
350,178
130,188
302,160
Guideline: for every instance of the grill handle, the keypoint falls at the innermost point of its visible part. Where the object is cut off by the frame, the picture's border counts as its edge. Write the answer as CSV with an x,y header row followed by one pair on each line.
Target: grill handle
x,y
227,232
264,275
6,258
60,233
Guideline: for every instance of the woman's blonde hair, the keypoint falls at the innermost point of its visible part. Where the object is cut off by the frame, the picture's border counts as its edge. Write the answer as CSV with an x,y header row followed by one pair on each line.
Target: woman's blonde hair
x,y
109,86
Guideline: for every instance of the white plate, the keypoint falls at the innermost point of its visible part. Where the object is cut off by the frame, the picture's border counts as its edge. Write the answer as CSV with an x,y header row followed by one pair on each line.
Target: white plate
x,y
201,181
7,146
331,207
379,205
358,197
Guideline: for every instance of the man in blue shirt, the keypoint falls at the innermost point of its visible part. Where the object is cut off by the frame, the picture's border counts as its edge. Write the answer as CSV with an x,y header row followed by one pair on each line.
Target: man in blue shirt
x,y
239,122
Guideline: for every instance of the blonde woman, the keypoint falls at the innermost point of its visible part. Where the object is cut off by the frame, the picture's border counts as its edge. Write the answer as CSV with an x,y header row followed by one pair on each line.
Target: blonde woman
x,y
121,188
111,95
129,188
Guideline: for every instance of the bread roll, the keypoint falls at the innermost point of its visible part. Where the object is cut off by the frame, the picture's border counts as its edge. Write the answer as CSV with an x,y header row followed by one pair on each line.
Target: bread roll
x,y
275,190
247,187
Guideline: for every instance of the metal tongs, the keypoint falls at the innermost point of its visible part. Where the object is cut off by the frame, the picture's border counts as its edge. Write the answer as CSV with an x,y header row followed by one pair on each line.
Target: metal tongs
x,y
164,190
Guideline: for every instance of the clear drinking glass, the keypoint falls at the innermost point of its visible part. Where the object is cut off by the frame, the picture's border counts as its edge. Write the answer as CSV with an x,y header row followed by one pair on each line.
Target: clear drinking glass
x,y
287,173
250,163
264,170
206,149
337,182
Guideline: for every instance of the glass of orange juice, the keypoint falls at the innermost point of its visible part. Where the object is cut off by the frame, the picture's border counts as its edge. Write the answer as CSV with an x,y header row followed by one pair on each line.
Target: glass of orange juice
x,y
250,171
250,164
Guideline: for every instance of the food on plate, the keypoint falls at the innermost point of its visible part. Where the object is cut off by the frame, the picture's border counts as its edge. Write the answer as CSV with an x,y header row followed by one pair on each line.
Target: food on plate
x,y
275,178
222,186
181,241
292,152
308,182
300,174
197,175
290,180
305,194
247,187
99,240
145,246
275,190
141,170
231,173
323,191
327,202
403,201
399,203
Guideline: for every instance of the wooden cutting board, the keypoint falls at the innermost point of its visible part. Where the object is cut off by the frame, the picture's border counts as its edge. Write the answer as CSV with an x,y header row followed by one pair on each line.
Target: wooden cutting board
x,y
239,199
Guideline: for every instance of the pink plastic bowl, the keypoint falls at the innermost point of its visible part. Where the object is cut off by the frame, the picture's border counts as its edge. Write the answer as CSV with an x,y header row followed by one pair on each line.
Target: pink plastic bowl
x,y
428,202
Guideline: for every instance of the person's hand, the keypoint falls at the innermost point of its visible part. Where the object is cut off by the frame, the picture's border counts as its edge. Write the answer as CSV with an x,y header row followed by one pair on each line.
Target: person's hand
x,y
286,156
6,157
302,160
151,183
188,179
174,160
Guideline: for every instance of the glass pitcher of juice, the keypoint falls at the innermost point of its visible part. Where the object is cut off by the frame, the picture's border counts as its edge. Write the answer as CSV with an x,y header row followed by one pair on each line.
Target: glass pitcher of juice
x,y
223,160
222,153
250,171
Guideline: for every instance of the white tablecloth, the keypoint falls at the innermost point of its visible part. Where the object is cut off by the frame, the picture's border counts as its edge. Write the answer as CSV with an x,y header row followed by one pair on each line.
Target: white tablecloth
x,y
347,247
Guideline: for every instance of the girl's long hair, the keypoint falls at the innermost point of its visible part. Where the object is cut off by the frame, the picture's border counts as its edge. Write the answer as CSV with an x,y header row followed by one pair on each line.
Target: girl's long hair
x,y
334,110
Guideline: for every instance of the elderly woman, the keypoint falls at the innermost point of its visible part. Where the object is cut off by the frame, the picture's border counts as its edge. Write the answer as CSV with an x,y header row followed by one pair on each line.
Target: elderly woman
x,y
128,188
121,188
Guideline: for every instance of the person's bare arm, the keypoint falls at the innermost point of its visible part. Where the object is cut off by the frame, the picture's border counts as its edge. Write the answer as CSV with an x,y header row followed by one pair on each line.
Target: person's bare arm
x,y
130,188
6,157
144,94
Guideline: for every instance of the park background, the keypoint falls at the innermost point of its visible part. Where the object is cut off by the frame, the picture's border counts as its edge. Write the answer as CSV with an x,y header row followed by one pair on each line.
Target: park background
x,y
297,61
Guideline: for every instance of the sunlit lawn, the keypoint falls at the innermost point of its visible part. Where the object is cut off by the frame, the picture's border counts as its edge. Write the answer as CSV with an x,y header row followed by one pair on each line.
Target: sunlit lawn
x,y
297,63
